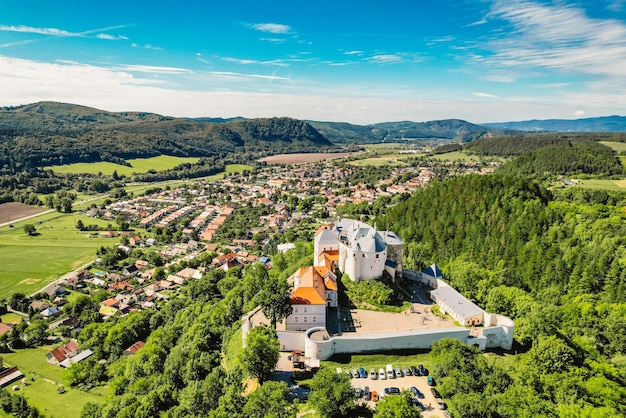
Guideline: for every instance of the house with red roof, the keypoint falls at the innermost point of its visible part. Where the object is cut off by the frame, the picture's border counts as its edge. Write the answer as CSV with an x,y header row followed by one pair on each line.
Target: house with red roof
x,y
314,288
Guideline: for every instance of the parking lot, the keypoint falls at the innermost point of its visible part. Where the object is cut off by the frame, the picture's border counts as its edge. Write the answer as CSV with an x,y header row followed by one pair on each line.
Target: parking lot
x,y
402,383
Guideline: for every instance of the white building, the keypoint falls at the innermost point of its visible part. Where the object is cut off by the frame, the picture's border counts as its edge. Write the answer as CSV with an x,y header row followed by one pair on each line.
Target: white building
x,y
315,288
361,252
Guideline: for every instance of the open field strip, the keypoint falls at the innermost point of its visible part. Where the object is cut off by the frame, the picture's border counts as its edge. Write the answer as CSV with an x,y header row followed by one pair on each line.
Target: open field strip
x,y
392,160
42,391
138,165
30,262
602,184
303,157
616,146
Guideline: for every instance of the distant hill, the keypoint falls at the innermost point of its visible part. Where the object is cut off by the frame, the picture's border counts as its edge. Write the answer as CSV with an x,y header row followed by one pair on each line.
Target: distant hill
x,y
450,129
49,133
601,124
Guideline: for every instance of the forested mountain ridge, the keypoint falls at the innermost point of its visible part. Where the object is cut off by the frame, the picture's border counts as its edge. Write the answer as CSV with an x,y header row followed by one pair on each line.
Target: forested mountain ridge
x,y
49,133
601,124
450,129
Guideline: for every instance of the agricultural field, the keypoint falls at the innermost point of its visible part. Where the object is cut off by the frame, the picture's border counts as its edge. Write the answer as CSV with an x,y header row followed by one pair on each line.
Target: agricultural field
x,y
616,146
302,158
602,184
43,381
463,156
31,262
13,210
390,160
138,165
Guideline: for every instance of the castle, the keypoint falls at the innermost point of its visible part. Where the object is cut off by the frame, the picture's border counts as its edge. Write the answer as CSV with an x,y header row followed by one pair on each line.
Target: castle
x,y
358,250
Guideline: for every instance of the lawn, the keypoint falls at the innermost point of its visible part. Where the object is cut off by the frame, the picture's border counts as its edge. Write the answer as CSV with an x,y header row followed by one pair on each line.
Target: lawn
x,y
11,318
602,184
42,391
367,361
138,165
616,146
31,262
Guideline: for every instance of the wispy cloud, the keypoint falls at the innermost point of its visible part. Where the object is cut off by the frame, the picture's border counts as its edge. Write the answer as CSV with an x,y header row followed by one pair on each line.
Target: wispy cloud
x,y
146,46
385,58
230,74
40,31
271,28
353,53
277,62
111,37
558,37
153,69
274,40
486,95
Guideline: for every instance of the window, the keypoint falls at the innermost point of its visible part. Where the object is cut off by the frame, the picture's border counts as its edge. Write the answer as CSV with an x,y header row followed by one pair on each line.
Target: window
x,y
377,255
295,319
314,319
295,310
304,310
305,319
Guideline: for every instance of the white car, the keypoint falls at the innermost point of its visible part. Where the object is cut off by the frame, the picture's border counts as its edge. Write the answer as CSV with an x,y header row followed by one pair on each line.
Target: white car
x,y
390,373
381,374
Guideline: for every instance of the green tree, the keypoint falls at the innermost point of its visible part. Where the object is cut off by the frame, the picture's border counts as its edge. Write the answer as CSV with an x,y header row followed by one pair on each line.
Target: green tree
x,y
30,229
260,355
269,400
274,300
396,407
332,394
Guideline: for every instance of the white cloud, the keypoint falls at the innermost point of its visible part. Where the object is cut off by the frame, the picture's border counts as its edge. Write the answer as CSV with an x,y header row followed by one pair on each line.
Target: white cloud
x,y
271,28
150,90
153,69
353,53
487,95
40,31
558,37
108,37
385,58
146,46
273,40
229,74
579,113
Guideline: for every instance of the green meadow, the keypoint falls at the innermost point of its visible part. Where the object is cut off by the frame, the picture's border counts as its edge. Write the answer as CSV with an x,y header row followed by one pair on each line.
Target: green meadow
x,y
43,381
31,262
616,146
602,184
138,165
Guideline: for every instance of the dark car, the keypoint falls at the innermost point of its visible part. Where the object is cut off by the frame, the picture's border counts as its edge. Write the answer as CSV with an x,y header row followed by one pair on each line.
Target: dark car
x,y
422,370
367,395
435,393
392,391
417,392
415,371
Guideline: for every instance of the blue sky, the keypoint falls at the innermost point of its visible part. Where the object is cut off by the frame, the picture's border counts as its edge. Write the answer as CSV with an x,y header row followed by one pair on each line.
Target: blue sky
x,y
355,61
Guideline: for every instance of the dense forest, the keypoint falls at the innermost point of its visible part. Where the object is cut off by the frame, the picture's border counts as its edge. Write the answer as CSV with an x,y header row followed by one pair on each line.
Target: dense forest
x,y
50,133
555,264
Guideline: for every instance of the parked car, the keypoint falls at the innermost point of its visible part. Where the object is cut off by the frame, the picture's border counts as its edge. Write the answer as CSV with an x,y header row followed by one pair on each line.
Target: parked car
x,y
390,373
359,392
418,404
398,372
362,373
415,371
367,395
431,381
417,392
374,396
392,391
422,370
381,374
435,393
440,404
373,374
355,373
406,371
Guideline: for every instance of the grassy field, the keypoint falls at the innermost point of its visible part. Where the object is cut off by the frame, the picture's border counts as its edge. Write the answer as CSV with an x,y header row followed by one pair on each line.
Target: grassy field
x,y
30,262
616,146
391,160
138,165
602,184
462,156
11,318
401,359
42,391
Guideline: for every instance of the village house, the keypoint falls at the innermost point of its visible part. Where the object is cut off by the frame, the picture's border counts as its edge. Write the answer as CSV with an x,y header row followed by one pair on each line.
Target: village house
x,y
62,353
132,350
